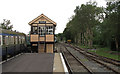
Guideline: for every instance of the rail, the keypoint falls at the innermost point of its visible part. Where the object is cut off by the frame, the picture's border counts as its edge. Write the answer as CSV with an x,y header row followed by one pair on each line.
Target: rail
x,y
97,58
88,69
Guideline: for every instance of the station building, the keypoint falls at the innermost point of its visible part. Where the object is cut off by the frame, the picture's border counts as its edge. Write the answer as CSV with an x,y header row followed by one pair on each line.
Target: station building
x,y
42,34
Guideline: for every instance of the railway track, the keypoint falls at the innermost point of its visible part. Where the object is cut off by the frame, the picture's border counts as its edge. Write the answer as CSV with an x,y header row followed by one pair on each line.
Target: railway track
x,y
109,60
111,64
102,66
74,64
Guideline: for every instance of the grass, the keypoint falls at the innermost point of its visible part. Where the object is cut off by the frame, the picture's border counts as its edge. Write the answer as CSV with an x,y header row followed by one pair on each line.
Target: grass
x,y
84,47
81,46
105,51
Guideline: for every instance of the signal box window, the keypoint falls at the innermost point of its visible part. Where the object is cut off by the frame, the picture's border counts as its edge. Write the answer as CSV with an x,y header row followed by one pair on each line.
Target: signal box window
x,y
34,30
49,29
42,31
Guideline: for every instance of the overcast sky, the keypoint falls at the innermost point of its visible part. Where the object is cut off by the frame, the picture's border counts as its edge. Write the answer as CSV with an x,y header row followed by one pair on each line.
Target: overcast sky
x,y
21,12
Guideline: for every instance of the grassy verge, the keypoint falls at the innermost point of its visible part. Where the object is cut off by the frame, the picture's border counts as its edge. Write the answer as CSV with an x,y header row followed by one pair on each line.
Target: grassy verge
x,y
106,52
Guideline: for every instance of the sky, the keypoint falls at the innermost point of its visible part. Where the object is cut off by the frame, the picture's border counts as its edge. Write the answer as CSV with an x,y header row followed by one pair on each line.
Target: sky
x,y
21,12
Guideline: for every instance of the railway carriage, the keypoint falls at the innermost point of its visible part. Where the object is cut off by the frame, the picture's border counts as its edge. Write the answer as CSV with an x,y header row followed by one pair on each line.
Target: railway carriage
x,y
11,43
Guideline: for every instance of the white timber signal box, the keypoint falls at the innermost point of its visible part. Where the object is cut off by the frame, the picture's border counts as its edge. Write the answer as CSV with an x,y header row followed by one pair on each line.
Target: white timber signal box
x,y
42,35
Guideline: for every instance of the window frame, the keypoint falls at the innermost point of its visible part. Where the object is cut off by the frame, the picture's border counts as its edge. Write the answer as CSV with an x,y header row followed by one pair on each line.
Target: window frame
x,y
50,28
33,30
42,30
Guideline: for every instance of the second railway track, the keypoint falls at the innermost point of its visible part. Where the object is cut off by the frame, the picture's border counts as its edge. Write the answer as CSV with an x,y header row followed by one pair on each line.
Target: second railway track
x,y
111,64
91,64
109,60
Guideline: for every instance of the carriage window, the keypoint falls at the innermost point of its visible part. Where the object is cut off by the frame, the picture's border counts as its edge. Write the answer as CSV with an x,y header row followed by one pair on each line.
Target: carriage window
x,y
19,40
7,40
0,40
16,40
12,40
49,29
23,39
3,40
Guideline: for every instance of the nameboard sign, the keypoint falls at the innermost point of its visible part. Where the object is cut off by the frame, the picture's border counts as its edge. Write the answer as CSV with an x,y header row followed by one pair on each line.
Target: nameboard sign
x,y
42,22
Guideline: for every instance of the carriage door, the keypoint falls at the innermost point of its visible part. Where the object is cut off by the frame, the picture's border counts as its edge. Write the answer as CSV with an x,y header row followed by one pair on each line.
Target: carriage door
x,y
41,39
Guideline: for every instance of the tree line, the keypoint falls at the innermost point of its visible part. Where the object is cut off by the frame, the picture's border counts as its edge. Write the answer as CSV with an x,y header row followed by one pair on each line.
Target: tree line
x,y
92,25
6,24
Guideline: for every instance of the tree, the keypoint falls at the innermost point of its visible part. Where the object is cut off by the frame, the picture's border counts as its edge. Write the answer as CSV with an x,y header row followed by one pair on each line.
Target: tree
x,y
6,24
113,21
60,37
82,23
107,33
92,24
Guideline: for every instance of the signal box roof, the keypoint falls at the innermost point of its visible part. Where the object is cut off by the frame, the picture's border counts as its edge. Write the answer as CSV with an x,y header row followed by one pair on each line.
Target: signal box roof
x,y
39,17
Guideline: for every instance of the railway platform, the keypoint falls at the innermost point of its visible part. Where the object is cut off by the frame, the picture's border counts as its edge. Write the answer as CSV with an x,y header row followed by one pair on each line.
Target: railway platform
x,y
35,63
